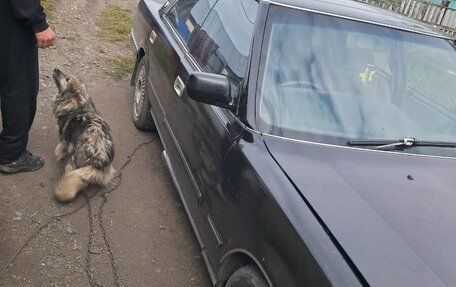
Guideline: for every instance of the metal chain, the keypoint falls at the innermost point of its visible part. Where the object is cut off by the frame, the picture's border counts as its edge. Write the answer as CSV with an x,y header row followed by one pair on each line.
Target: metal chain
x,y
117,180
88,270
107,244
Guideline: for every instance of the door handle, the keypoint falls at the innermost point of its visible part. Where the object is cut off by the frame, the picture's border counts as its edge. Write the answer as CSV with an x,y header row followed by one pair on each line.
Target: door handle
x,y
179,86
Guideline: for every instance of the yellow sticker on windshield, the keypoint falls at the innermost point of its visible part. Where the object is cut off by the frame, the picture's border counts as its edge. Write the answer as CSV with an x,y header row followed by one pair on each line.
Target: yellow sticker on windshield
x,y
367,75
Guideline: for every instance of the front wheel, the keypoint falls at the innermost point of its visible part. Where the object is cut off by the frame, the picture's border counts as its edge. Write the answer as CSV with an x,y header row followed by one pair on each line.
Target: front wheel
x,y
247,276
142,119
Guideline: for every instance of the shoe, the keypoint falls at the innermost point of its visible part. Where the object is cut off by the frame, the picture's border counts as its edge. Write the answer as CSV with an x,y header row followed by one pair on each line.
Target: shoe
x,y
26,162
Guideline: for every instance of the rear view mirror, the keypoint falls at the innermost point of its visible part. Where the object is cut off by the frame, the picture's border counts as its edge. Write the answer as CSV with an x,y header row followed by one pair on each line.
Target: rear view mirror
x,y
211,89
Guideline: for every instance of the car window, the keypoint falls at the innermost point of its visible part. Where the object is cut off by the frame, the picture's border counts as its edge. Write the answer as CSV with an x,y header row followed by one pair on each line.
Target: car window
x,y
330,80
431,73
223,44
187,16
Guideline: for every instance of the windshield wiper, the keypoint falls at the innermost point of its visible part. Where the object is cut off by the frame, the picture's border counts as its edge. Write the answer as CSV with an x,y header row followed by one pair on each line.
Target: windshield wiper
x,y
402,143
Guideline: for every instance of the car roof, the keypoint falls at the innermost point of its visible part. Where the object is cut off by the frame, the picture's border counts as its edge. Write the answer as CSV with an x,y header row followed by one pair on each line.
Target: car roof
x,y
356,10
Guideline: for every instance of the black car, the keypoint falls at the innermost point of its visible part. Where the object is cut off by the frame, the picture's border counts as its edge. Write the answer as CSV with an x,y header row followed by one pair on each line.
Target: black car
x,y
312,142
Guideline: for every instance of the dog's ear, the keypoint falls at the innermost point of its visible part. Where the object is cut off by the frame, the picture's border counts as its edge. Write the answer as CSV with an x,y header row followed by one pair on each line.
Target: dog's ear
x,y
71,85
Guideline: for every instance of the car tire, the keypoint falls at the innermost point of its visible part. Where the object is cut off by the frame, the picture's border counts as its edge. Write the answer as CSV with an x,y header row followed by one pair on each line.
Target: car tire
x,y
247,276
142,118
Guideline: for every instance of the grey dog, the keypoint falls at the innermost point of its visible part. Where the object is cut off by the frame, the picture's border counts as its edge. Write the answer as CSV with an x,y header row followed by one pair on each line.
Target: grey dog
x,y
85,144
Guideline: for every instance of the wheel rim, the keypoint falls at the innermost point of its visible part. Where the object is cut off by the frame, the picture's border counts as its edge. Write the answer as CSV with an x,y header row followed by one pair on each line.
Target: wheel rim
x,y
140,89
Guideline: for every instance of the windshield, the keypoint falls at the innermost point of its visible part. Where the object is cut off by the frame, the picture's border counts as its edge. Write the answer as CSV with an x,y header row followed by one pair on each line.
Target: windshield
x,y
329,79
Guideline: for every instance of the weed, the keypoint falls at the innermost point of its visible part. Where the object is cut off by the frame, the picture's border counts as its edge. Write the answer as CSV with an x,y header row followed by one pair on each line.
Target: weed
x,y
120,66
48,5
114,23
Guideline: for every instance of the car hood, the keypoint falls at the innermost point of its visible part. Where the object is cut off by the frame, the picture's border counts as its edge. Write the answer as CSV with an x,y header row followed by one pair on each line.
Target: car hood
x,y
394,214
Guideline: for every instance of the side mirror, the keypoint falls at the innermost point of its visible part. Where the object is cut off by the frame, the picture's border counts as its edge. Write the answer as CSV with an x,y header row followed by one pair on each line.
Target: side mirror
x,y
210,89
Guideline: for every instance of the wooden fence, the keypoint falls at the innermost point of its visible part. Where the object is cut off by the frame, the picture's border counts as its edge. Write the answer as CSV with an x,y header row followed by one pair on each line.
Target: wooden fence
x,y
443,17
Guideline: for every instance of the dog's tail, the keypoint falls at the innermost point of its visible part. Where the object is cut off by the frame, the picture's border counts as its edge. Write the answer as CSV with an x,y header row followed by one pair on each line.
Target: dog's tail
x,y
74,181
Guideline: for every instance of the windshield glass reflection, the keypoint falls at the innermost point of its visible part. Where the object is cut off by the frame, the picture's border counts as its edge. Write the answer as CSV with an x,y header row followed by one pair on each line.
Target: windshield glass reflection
x,y
327,79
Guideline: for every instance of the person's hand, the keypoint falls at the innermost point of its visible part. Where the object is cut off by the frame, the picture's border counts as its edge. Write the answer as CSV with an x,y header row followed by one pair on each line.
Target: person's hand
x,y
45,38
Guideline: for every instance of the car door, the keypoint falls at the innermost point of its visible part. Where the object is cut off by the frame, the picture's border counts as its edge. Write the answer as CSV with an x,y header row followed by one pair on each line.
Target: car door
x,y
222,47
203,133
167,50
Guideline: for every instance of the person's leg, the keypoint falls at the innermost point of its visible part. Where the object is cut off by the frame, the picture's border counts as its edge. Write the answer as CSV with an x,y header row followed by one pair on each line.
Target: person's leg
x,y
18,104
18,93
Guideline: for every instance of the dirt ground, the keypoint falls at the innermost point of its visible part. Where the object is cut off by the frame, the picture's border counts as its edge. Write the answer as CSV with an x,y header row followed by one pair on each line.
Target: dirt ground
x,y
139,234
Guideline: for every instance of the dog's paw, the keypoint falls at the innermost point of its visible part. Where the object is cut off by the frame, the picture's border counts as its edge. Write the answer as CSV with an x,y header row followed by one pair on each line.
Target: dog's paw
x,y
60,151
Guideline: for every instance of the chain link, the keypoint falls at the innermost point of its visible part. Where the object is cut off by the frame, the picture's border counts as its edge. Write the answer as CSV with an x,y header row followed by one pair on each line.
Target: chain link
x,y
107,244
117,180
88,269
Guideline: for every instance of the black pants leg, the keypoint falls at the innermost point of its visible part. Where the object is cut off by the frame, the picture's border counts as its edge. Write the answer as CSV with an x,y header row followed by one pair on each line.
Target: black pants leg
x,y
18,90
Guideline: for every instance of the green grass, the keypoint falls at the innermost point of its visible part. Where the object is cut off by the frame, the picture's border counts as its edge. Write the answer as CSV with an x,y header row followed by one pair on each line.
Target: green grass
x,y
114,23
120,66
115,26
48,5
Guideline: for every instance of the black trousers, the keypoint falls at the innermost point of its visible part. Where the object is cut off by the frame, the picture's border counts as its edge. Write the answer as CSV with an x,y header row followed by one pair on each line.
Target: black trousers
x,y
18,84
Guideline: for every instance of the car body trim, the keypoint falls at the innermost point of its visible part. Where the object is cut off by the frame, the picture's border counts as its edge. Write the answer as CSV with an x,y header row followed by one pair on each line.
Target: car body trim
x,y
134,44
155,95
356,148
214,231
152,37
199,195
212,274
168,164
158,129
167,161
167,6
437,35
251,130
253,258
181,43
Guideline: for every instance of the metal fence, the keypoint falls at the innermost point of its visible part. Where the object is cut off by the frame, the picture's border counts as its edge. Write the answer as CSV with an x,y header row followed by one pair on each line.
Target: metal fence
x,y
443,17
